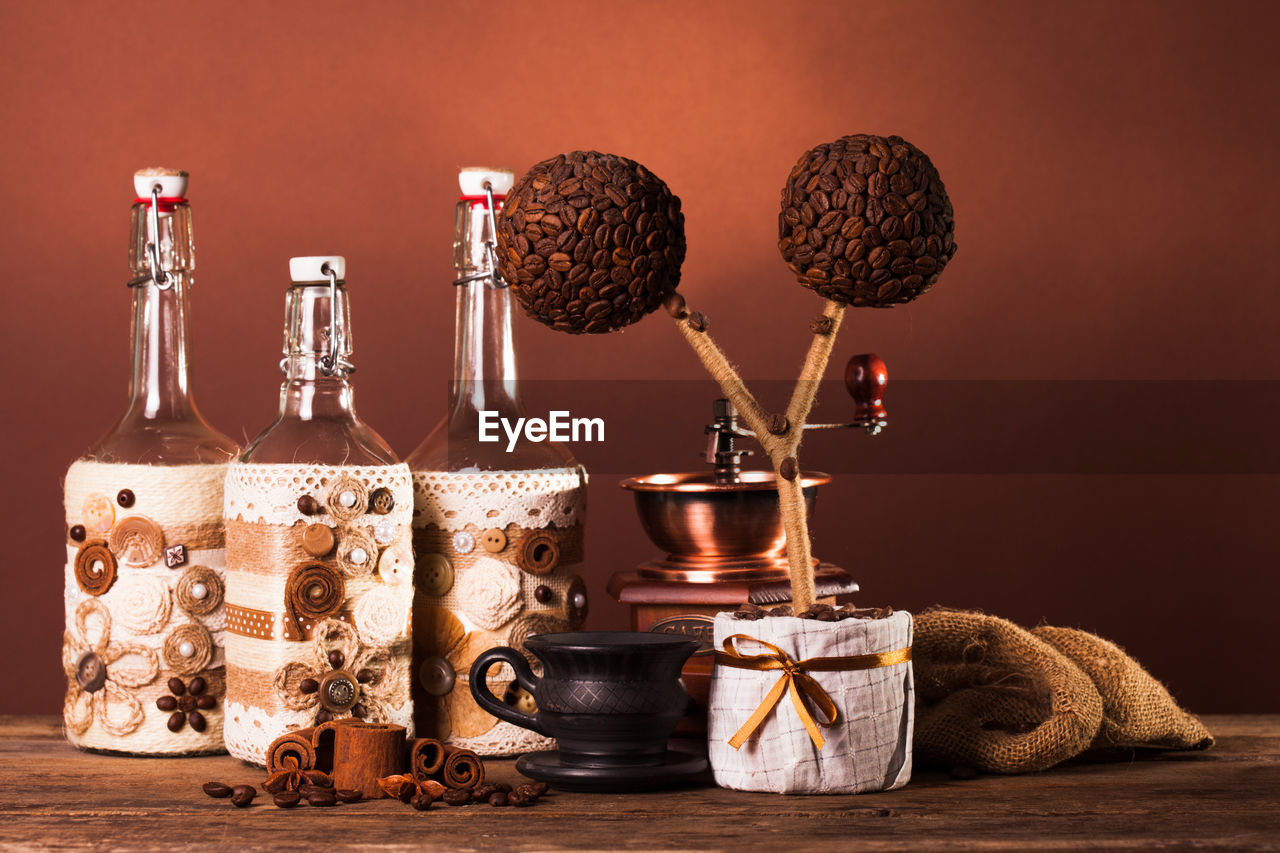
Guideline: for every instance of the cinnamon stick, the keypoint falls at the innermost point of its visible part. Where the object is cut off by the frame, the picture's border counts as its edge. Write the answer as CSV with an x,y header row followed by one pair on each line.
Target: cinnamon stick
x,y
462,768
364,753
426,757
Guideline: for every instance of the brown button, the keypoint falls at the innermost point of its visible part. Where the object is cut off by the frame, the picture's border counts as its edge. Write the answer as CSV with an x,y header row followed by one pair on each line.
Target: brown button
x,y
338,691
576,599
175,555
91,674
126,498
78,533
137,541
382,501
434,574
308,505
436,676
539,552
543,594
493,540
317,539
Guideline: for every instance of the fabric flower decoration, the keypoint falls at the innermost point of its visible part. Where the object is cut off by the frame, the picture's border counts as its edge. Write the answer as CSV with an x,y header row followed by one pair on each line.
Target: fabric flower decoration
x,y
446,651
102,676
340,678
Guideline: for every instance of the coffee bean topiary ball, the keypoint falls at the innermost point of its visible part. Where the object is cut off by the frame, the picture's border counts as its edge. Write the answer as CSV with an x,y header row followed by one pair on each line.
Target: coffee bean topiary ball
x,y
866,221
590,242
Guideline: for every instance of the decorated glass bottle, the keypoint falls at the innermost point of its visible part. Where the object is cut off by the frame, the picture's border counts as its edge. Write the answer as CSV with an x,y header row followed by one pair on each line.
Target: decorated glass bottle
x,y
144,574
498,535
319,550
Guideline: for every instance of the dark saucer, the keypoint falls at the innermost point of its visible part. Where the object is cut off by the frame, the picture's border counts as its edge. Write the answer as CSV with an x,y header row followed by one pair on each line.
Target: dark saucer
x,y
679,768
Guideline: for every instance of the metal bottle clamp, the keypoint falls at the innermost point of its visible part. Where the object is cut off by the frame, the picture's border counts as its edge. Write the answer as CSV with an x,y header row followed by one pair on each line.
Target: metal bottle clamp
x,y
156,274
334,362
490,247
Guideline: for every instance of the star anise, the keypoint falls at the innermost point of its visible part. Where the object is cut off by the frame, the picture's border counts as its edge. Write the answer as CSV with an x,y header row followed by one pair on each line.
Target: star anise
x,y
291,779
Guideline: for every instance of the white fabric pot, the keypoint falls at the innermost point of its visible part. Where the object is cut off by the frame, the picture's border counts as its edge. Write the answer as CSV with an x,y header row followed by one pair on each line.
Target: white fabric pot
x,y
867,749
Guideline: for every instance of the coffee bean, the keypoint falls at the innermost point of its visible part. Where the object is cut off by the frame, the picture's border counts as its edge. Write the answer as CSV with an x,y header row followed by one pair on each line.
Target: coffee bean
x,y
698,321
176,721
320,798
675,305
420,802
217,790
286,799
778,424
498,798
348,795
242,796
196,720
456,797
167,703
789,468
821,325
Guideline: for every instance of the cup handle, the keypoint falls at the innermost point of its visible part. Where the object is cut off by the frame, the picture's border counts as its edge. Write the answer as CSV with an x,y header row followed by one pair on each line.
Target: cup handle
x,y
524,677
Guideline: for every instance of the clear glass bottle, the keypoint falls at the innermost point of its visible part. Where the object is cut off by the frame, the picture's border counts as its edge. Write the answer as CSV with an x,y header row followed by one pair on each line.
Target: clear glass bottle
x,y
143,651
317,421
319,543
498,535
162,425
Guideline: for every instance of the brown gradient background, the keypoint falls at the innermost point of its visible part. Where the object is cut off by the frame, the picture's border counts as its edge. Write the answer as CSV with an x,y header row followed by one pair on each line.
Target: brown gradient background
x,y
1112,167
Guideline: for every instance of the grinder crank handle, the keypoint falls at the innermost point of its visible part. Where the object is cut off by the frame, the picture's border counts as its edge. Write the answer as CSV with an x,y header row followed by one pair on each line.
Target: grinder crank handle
x,y
866,377
524,677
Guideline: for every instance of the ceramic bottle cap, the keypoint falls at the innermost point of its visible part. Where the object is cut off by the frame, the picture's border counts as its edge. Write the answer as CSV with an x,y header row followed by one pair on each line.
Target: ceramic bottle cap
x,y
173,182
471,180
312,268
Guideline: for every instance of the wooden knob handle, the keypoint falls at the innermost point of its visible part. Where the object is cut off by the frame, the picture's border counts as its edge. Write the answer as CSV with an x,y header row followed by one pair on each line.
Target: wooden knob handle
x,y
866,377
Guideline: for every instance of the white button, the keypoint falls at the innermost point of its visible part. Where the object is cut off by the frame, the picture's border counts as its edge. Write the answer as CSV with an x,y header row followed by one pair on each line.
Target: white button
x,y
347,499
463,542
384,531
359,556
186,648
199,591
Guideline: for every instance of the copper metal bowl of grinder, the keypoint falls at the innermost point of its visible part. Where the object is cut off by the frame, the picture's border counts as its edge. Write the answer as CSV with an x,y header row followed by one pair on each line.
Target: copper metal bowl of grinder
x,y
714,531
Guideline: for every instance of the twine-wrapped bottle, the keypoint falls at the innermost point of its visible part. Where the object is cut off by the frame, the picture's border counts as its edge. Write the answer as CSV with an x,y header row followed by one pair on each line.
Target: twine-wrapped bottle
x,y
498,535
319,550
144,574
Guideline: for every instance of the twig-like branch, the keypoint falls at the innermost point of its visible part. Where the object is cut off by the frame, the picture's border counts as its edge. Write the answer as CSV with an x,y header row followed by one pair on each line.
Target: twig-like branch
x,y
780,448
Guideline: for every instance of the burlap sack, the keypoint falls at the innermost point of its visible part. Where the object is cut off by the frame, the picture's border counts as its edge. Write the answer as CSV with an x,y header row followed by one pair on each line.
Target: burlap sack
x,y
1001,699
1137,710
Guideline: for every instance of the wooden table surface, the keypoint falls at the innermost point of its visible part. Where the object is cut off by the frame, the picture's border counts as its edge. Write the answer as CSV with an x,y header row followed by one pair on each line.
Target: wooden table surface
x,y
55,797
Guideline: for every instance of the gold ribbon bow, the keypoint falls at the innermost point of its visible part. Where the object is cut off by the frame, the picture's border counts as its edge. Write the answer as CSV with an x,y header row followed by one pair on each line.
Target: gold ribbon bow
x,y
796,681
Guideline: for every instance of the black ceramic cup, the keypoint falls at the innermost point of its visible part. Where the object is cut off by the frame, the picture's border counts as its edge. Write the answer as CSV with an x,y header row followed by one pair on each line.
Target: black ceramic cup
x,y
609,698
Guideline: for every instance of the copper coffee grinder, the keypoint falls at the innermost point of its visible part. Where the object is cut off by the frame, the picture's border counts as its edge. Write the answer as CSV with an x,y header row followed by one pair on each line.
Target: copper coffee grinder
x,y
723,535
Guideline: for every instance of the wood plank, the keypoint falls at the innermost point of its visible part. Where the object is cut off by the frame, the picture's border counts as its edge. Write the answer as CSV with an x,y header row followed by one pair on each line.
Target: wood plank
x,y
54,797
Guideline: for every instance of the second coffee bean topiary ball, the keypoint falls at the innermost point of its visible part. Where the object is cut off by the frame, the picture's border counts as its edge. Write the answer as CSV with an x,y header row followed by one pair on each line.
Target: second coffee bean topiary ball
x,y
866,221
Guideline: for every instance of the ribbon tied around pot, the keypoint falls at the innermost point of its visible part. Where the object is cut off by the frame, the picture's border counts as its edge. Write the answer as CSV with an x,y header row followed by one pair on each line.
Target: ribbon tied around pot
x,y
797,682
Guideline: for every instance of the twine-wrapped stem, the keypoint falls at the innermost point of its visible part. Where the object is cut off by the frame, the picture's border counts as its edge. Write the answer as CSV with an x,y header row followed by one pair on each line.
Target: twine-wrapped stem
x,y
782,447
